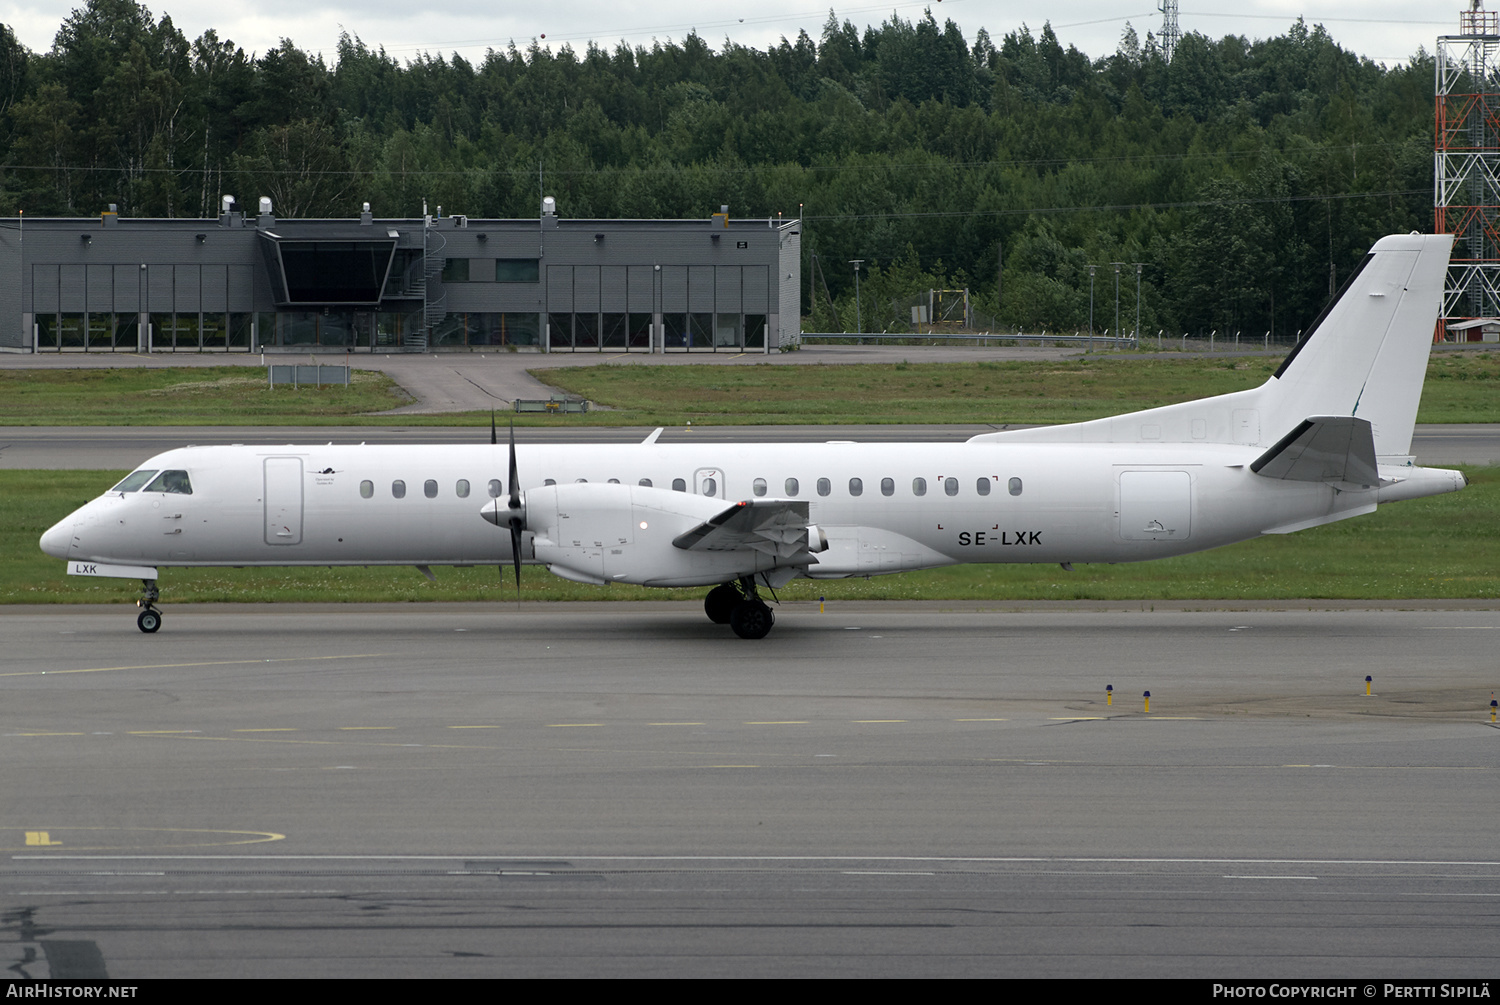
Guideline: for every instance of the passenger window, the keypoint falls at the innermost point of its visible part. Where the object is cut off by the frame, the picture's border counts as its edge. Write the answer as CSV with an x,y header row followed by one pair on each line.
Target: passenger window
x,y
398,489
887,486
856,487
134,481
429,488
462,488
175,482
950,486
645,483
580,481
982,486
366,489
549,481
678,485
1015,486
824,486
614,481
792,488
495,488
919,486
758,486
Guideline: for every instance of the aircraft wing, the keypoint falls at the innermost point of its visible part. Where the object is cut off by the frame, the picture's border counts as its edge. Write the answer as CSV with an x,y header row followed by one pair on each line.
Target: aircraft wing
x,y
775,527
1324,448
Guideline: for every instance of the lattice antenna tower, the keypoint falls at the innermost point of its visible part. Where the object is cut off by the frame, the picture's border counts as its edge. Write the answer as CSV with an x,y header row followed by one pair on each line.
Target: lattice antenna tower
x,y
1466,192
1170,33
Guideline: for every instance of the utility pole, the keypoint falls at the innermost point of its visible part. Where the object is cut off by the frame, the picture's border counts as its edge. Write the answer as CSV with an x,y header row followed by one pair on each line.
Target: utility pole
x,y
1092,270
1117,296
1137,332
859,324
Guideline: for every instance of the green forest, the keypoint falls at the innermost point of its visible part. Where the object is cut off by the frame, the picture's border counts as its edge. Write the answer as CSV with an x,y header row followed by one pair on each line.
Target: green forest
x,y
1246,177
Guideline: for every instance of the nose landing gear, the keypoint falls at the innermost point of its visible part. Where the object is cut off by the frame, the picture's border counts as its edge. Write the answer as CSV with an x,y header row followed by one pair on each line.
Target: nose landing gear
x,y
149,620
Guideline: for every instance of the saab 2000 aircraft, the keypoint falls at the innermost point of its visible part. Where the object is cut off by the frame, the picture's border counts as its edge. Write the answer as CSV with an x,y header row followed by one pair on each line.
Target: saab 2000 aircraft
x,y
1328,437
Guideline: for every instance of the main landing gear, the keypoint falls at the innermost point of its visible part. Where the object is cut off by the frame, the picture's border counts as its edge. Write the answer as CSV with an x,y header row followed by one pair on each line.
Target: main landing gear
x,y
740,607
149,620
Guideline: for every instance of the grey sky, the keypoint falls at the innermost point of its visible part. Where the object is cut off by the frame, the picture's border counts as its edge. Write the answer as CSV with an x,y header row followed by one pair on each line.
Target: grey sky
x,y
1384,30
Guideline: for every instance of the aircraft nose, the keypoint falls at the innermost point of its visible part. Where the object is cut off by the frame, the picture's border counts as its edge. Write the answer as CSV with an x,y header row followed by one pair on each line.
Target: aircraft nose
x,y
58,538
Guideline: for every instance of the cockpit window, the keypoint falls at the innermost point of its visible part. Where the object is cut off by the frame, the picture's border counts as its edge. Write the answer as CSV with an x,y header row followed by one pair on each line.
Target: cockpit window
x,y
175,482
134,480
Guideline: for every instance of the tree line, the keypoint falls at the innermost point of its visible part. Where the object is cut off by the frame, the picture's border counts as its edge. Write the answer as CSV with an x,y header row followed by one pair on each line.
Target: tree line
x,y
1245,177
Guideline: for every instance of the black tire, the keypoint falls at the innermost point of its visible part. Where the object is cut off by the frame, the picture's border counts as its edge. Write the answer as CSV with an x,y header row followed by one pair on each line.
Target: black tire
x,y
719,604
751,619
149,621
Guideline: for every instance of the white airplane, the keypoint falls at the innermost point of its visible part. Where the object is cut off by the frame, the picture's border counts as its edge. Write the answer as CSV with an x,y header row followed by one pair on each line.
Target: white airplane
x,y
1328,437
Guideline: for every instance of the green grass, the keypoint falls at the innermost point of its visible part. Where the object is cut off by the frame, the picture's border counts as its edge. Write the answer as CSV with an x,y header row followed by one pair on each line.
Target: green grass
x,y
1441,547
1461,387
181,396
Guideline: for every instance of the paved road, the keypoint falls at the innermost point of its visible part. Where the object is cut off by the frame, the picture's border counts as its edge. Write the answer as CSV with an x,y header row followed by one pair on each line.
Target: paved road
x,y
102,447
625,789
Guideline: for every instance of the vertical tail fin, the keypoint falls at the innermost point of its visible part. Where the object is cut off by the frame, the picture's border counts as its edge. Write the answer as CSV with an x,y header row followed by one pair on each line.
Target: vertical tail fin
x,y
1366,354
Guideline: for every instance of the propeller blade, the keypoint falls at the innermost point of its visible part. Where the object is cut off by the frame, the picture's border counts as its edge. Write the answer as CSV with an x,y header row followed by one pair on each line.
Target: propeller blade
x,y
517,511
493,440
515,491
515,550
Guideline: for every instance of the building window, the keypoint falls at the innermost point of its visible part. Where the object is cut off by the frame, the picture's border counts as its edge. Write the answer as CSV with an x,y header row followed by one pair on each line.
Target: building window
x,y
455,270
517,270
585,331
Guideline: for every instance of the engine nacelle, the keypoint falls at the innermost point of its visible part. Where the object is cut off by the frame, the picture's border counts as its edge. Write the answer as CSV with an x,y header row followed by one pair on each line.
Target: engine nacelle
x,y
594,532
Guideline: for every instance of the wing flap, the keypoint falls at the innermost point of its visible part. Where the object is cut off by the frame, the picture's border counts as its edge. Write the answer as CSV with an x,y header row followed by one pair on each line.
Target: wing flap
x,y
774,527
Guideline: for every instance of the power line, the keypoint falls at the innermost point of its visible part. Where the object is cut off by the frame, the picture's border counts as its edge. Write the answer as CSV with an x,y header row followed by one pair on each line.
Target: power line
x,y
1123,207
846,168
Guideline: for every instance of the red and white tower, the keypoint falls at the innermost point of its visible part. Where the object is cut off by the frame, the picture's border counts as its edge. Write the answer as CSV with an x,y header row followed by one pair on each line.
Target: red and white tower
x,y
1466,190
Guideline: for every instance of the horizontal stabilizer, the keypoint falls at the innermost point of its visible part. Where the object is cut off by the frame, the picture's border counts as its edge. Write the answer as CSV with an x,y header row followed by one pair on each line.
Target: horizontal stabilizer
x,y
772,527
1323,448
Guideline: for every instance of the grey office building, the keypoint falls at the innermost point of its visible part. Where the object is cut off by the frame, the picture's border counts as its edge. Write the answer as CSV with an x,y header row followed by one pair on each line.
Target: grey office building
x,y
253,283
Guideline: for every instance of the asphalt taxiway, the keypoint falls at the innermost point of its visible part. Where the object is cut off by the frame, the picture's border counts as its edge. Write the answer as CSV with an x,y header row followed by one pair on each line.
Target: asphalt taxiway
x,y
625,789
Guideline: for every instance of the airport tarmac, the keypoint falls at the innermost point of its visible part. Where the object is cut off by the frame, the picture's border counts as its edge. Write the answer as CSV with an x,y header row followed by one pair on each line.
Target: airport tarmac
x,y
924,789
123,447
